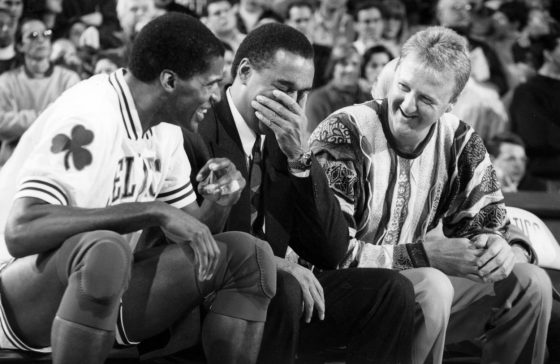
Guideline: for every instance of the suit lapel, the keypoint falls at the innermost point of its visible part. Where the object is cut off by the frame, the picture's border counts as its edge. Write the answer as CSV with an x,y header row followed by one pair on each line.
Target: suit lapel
x,y
228,143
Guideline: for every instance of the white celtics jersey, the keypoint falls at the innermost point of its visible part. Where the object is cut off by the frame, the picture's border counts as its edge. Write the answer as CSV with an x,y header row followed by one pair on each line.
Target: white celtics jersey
x,y
88,150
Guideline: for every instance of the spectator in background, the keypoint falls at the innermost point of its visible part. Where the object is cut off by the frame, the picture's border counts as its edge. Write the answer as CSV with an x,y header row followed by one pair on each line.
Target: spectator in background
x,y
100,17
486,66
219,17
64,53
527,49
299,15
507,152
534,111
105,65
248,13
133,15
46,10
9,58
342,90
374,60
228,60
332,24
14,7
269,16
368,23
172,5
27,90
395,29
508,21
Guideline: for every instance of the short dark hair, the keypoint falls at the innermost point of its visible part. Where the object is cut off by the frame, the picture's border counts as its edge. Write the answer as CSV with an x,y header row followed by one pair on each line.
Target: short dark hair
x,y
493,146
261,44
374,50
515,11
549,41
297,4
21,23
210,2
369,4
174,41
271,14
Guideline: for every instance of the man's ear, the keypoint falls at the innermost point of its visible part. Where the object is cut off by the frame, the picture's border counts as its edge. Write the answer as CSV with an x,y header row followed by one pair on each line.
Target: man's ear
x,y
168,80
244,71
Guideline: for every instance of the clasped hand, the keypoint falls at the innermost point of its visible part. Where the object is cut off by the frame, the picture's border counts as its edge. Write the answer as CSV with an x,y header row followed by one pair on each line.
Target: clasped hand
x,y
487,258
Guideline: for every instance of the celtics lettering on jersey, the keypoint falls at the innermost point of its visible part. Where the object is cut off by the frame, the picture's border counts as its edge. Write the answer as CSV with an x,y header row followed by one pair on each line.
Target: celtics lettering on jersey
x,y
125,186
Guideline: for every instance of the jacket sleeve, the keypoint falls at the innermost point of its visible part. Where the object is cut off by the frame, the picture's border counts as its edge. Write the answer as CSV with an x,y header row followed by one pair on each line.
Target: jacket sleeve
x,y
319,234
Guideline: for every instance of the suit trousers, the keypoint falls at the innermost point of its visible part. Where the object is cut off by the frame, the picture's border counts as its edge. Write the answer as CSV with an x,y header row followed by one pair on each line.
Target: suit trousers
x,y
369,312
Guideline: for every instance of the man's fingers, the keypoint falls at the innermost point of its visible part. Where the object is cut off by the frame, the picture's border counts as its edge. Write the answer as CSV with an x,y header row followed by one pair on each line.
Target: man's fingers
x,y
196,260
288,102
501,271
214,254
308,303
318,297
214,165
273,126
491,252
203,255
274,111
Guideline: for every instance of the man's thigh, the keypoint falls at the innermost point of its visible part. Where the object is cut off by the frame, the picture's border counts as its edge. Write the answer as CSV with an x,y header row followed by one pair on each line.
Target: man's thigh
x,y
164,286
33,286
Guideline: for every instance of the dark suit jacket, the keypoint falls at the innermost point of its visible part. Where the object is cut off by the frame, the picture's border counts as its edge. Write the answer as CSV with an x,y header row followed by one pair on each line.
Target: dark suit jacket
x,y
301,212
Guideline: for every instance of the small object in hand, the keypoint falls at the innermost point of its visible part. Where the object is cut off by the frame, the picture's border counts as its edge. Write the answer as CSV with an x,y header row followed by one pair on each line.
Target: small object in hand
x,y
232,187
209,187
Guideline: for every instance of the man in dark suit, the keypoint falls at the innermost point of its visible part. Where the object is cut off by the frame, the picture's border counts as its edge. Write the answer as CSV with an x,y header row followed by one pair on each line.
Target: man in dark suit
x,y
257,125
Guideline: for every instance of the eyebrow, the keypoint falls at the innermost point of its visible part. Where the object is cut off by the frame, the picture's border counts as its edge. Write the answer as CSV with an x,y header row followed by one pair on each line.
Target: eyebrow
x,y
290,85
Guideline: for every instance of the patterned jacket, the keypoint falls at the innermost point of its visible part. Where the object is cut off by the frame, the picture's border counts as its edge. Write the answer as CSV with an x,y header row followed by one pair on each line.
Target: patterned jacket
x,y
392,199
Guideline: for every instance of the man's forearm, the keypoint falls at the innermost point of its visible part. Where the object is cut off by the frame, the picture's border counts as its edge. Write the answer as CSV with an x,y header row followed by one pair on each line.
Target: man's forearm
x,y
213,215
34,227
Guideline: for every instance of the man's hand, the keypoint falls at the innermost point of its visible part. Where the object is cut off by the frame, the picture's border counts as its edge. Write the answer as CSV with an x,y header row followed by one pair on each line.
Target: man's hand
x,y
181,228
454,257
498,259
285,117
220,181
312,290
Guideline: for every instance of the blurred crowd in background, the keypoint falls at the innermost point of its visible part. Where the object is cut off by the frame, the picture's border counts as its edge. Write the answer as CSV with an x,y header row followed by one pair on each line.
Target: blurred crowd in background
x,y
512,98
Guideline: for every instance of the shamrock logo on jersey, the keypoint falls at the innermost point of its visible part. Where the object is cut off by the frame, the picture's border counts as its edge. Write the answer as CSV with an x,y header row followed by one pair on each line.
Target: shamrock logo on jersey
x,y
74,146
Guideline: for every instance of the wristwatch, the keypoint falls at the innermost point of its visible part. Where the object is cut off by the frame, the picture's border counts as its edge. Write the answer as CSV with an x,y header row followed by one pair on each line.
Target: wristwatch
x,y
303,163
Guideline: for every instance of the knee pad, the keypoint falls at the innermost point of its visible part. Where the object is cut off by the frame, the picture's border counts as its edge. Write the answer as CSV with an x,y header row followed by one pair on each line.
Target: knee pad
x,y
251,261
106,271
100,263
246,278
